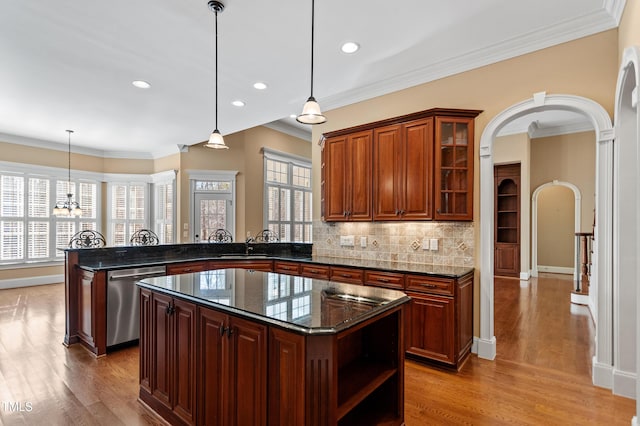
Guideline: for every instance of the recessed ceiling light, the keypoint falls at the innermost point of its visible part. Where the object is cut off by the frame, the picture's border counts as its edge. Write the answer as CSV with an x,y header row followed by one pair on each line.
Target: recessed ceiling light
x,y
260,85
141,84
350,47
238,103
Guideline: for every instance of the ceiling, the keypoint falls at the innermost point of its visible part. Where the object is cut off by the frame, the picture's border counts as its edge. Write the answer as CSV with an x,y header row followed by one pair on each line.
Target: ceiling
x,y
69,64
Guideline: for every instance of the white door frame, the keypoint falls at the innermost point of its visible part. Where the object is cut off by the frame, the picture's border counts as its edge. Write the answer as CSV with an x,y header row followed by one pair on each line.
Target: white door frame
x,y
626,380
534,222
602,284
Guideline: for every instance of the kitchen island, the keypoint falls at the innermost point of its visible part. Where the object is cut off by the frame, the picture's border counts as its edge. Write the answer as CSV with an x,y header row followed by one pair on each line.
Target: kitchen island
x,y
234,346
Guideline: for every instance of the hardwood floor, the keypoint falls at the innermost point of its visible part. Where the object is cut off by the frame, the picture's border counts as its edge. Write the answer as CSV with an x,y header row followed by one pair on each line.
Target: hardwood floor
x,y
541,375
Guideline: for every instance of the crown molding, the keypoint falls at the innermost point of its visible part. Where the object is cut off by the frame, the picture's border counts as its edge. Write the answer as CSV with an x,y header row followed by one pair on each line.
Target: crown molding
x,y
76,149
568,30
615,9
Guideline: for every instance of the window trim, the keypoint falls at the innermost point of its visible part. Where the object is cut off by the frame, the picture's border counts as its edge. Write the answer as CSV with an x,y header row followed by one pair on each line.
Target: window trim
x,y
291,160
53,175
213,175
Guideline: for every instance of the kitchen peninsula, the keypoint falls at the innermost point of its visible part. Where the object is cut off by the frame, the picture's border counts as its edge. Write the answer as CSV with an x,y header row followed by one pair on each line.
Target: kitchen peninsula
x,y
439,318
235,346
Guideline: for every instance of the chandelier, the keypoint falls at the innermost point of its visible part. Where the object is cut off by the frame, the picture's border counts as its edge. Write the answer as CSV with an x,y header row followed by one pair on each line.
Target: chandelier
x,y
68,207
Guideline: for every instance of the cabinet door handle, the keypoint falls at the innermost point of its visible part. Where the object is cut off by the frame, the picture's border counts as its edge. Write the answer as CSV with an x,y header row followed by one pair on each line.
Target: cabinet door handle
x,y
344,213
229,332
170,309
401,212
222,330
438,211
397,212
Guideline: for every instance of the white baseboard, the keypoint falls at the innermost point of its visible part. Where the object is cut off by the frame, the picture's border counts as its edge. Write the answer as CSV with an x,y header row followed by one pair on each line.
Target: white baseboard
x,y
556,269
634,421
31,281
580,299
624,384
486,349
474,345
601,374
525,276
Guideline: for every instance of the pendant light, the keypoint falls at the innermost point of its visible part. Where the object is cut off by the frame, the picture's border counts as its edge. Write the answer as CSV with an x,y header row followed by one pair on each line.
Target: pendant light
x,y
68,207
215,140
311,113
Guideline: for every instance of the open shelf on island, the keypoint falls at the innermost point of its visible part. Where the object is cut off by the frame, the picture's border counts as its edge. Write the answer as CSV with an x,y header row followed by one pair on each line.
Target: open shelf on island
x,y
358,380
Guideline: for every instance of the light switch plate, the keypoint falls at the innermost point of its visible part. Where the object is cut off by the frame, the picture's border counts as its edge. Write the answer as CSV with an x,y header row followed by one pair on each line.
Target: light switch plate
x,y
363,242
425,244
433,244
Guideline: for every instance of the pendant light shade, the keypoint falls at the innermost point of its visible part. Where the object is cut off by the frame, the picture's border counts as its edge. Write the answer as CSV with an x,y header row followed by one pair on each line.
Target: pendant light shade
x,y
68,207
311,113
216,140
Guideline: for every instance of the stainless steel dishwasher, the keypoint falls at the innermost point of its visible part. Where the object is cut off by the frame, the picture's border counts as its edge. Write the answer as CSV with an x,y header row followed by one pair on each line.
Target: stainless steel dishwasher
x,y
123,303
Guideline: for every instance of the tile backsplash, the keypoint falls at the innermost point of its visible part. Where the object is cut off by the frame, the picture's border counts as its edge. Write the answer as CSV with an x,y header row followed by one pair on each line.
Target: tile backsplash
x,y
398,241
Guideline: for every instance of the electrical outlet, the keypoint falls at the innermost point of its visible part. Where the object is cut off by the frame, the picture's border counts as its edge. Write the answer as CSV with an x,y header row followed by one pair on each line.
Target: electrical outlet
x,y
433,244
185,226
347,240
425,244
363,242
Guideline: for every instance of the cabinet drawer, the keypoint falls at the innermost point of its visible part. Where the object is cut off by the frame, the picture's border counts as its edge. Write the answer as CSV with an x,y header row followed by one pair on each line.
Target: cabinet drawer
x,y
347,275
186,268
384,279
430,284
282,267
315,271
256,265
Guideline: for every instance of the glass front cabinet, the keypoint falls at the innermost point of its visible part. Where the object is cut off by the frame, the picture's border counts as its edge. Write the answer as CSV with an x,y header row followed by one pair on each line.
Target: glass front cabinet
x,y
453,195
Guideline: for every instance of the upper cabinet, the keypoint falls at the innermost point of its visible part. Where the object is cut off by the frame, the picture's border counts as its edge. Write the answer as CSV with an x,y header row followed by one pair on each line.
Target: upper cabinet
x,y
346,170
403,170
414,167
454,169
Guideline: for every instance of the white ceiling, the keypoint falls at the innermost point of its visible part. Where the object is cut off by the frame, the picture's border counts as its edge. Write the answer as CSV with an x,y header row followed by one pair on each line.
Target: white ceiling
x,y
69,64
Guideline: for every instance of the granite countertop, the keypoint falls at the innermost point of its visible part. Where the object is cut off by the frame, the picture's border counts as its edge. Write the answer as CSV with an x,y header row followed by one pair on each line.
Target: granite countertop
x,y
113,258
302,305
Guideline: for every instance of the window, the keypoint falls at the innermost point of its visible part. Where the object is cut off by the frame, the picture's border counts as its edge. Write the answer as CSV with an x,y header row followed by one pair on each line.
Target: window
x,y
127,212
29,232
288,199
164,211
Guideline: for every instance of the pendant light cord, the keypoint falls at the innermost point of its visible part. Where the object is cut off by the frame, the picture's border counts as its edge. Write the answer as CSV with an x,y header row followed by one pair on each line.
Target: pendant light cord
x,y
216,35
69,163
312,32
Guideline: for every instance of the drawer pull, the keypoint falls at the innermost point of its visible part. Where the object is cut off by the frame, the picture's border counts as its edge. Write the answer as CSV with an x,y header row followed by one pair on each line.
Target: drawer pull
x,y
428,285
383,280
188,270
313,271
345,275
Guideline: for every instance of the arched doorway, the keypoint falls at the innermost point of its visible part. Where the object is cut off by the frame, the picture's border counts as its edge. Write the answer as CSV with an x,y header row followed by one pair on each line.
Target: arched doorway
x,y
534,220
602,288
626,230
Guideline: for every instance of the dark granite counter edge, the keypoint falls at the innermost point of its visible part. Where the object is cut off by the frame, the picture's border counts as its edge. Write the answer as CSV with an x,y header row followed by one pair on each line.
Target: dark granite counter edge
x,y
279,323
402,267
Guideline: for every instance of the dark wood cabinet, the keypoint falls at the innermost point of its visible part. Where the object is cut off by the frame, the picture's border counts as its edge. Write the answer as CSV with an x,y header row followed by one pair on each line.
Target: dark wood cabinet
x,y
403,175
346,275
507,220
453,168
252,373
346,170
186,267
284,267
421,168
232,366
440,318
167,356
